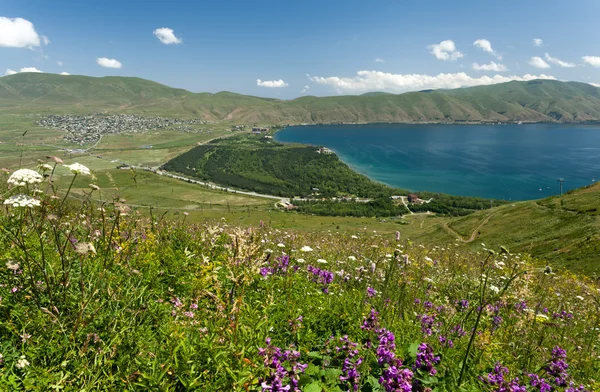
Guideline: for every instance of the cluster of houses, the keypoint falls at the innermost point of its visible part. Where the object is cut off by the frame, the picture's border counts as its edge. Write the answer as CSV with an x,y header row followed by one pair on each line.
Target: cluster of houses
x,y
259,131
324,150
89,129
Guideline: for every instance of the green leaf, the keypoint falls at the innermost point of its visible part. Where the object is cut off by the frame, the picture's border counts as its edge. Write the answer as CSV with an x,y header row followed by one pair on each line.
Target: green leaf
x,y
313,387
412,350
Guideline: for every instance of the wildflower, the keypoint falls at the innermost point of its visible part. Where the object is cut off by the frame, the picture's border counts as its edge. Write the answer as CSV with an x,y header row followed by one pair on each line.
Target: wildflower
x,y
25,337
55,159
24,177
306,248
85,248
351,258
397,236
579,297
371,292
22,362
12,265
495,289
44,167
22,201
300,260
78,168
426,360
189,314
94,187
281,245
354,237
322,261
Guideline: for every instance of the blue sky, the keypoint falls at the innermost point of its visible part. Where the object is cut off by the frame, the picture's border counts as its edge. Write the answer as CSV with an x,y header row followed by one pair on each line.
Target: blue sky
x,y
302,47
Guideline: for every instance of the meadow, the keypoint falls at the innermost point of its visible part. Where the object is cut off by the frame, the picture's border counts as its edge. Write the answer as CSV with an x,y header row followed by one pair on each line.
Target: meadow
x,y
100,296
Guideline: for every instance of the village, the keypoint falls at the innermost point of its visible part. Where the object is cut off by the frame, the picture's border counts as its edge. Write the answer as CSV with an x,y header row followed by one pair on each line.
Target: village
x,y
85,130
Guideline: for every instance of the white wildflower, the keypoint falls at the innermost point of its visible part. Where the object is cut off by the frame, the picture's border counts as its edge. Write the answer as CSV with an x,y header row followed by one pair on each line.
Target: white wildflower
x,y
580,297
45,167
322,261
78,168
354,237
428,258
84,248
494,289
22,201
351,258
97,188
24,177
300,260
306,248
281,245
22,362
268,251
12,265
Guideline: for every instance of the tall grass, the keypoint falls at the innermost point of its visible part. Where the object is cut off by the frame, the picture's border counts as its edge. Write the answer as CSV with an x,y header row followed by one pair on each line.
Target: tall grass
x,y
96,297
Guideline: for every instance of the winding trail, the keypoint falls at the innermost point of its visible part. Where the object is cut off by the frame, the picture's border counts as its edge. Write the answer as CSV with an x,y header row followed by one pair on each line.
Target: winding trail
x,y
473,235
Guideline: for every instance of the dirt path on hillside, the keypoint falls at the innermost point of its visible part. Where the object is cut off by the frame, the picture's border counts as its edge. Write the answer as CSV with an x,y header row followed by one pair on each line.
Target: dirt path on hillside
x,y
473,235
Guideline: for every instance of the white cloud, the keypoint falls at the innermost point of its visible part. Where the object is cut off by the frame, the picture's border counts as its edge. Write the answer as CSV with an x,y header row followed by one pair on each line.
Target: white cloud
x,y
45,40
19,33
379,60
538,62
65,73
365,81
492,66
108,63
60,63
486,46
305,89
592,60
271,83
30,69
24,69
166,36
445,50
556,61
538,42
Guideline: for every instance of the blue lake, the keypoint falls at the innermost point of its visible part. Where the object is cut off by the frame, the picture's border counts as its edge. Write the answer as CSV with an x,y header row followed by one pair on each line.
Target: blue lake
x,y
513,162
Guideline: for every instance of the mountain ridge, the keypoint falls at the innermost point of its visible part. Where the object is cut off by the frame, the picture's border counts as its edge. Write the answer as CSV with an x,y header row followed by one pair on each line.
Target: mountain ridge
x,y
539,100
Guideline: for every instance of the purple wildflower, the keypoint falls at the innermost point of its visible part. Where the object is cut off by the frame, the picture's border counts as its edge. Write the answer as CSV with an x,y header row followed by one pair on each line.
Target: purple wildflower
x,y
426,359
371,292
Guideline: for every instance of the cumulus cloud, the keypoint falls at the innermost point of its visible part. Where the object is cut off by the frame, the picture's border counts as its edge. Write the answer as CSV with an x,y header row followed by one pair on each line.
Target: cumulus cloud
x,y
167,36
65,73
365,81
538,62
492,66
19,33
305,89
538,42
271,83
445,50
556,61
592,60
486,46
24,69
108,63
379,60
30,69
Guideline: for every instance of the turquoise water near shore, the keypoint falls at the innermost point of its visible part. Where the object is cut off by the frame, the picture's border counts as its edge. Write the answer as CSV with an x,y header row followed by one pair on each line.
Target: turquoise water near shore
x,y
512,162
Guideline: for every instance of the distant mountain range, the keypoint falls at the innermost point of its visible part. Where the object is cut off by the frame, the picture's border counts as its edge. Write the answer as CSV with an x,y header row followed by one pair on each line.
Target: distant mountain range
x,y
533,101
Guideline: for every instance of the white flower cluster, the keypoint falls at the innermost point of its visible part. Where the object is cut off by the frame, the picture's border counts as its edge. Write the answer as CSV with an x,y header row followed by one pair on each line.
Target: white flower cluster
x,y
22,201
23,177
22,362
78,168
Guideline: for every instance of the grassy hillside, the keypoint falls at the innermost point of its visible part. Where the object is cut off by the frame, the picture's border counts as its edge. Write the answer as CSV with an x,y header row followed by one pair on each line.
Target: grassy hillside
x,y
563,230
537,100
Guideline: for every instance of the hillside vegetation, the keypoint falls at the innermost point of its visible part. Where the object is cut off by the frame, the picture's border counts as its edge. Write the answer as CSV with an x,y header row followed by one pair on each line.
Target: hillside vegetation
x,y
537,100
97,297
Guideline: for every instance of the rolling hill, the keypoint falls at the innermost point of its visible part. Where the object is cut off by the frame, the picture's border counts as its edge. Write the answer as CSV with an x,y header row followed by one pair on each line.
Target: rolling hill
x,y
533,101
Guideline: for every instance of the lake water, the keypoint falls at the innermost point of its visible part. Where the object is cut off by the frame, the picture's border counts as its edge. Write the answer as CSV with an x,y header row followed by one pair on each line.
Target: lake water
x,y
512,162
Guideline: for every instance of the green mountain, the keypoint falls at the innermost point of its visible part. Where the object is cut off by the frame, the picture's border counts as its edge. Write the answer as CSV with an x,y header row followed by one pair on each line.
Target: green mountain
x,y
536,100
